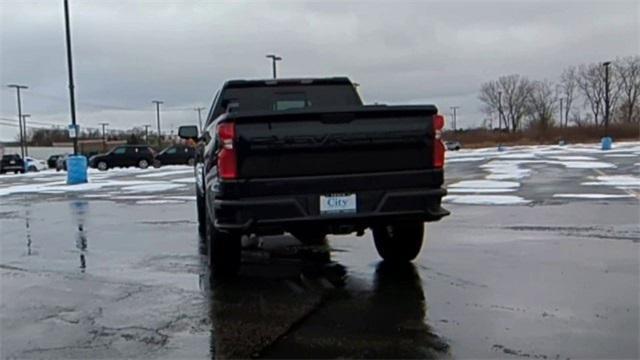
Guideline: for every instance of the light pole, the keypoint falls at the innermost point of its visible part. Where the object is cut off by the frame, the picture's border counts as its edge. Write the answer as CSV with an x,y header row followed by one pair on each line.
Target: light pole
x,y
158,102
72,98
606,97
199,110
26,135
454,108
274,58
18,87
104,136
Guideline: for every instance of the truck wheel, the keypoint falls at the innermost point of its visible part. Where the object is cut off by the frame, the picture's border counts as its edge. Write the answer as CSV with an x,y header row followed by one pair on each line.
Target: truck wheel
x,y
399,242
225,250
143,164
309,237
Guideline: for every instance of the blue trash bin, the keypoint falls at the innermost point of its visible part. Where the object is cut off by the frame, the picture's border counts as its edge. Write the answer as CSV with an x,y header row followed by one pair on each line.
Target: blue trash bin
x,y
76,169
606,143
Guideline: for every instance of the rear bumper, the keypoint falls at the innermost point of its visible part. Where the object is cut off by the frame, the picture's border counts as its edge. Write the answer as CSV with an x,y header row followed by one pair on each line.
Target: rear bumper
x,y
18,167
282,213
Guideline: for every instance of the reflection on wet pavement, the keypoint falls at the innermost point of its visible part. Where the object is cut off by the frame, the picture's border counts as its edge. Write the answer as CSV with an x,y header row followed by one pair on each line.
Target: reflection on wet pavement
x,y
298,306
387,322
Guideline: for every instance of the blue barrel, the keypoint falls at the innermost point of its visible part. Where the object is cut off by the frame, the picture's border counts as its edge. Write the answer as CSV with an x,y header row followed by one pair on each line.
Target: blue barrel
x,y
606,143
76,170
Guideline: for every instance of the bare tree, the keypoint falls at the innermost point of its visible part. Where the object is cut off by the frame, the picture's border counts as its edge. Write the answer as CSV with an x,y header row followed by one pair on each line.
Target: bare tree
x,y
591,82
490,95
508,96
542,104
628,74
567,90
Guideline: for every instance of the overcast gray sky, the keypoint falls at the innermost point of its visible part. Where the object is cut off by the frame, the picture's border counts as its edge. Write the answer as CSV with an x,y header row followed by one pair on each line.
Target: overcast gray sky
x,y
128,53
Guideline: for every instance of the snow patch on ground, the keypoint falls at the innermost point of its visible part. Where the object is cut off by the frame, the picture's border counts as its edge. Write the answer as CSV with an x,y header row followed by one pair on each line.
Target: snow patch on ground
x,y
187,180
464,159
592,196
166,173
584,164
155,187
505,170
620,155
573,158
615,180
485,184
478,190
485,199
517,156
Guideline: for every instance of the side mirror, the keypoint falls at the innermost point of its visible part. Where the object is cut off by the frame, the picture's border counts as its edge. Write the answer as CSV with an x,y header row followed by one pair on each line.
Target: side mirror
x,y
188,132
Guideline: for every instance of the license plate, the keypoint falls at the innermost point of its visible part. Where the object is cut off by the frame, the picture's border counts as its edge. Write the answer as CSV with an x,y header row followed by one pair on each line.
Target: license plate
x,y
12,162
337,203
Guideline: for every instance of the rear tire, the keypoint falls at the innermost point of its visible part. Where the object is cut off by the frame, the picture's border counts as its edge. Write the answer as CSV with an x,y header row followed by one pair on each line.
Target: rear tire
x,y
143,164
102,166
225,250
399,242
191,162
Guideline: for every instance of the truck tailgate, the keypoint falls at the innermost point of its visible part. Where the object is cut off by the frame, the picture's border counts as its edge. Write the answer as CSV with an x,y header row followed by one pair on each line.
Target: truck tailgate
x,y
335,141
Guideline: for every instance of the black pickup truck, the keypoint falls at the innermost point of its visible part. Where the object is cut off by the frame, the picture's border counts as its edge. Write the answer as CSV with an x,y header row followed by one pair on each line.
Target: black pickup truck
x,y
305,156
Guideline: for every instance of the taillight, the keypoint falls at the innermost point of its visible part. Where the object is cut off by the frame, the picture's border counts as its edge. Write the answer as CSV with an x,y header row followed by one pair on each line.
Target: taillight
x,y
438,145
227,159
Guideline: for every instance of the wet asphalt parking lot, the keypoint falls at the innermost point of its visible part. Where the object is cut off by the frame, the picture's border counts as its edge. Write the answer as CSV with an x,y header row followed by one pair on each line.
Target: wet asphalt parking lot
x,y
539,259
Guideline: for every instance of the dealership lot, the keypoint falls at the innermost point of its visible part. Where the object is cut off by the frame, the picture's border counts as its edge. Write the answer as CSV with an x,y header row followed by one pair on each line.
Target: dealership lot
x,y
539,259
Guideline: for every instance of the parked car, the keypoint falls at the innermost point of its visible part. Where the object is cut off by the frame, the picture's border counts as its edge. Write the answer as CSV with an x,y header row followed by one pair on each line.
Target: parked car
x,y
124,156
175,155
34,165
453,145
305,156
52,161
12,162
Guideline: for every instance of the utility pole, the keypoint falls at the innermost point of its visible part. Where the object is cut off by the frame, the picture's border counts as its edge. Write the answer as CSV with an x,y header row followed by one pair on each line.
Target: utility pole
x,y
499,110
18,88
606,97
146,134
158,102
104,136
274,58
72,98
199,110
454,108
26,134
561,99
